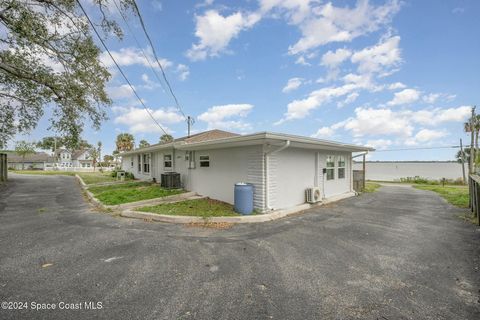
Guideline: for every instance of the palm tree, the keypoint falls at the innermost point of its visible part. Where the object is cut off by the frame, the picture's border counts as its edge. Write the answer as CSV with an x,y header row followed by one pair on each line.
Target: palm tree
x,y
23,149
143,144
125,142
94,154
165,138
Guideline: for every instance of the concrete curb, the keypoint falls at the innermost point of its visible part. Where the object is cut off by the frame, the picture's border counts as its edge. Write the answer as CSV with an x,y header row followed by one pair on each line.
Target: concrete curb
x,y
168,199
89,194
275,215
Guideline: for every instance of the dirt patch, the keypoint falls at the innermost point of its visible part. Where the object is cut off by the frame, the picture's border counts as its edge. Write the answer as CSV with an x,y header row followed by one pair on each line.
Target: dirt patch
x,y
211,225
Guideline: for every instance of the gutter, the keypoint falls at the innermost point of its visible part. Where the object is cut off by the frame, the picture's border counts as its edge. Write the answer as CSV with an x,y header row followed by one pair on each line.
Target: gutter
x,y
265,161
360,154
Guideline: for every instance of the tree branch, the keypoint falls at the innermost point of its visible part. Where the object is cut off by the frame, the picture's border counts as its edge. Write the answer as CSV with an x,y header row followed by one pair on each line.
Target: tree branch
x,y
25,75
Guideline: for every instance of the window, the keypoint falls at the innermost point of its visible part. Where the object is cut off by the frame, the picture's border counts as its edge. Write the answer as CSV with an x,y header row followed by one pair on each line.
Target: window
x,y
146,162
341,167
139,159
204,161
167,161
131,161
330,167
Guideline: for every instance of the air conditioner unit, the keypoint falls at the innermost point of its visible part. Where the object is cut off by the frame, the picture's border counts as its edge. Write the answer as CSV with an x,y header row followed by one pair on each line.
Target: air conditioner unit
x,y
313,195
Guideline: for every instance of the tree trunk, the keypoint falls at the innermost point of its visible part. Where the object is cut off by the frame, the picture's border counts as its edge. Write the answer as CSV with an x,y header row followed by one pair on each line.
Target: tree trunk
x,y
23,162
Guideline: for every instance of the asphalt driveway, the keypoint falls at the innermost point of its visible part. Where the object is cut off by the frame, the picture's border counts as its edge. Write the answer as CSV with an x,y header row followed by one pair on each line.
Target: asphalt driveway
x,y
399,253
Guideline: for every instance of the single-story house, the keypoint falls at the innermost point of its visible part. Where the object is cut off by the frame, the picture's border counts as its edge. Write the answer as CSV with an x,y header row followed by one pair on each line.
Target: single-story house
x,y
281,167
36,161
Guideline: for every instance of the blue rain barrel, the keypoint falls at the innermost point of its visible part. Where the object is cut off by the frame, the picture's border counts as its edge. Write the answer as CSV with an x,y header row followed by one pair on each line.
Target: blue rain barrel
x,y
243,198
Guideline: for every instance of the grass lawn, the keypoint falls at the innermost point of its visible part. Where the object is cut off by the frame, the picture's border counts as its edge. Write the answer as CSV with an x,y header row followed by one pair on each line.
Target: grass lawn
x,y
130,192
371,186
87,177
198,208
456,195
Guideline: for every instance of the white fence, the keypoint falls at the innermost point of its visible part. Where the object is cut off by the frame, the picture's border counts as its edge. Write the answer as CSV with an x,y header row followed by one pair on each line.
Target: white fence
x,y
78,169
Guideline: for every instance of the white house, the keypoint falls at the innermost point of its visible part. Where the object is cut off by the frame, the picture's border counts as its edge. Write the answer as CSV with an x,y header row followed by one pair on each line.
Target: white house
x,y
76,159
281,167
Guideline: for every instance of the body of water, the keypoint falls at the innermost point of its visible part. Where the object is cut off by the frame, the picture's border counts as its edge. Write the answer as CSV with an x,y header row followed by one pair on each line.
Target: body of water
x,y
391,171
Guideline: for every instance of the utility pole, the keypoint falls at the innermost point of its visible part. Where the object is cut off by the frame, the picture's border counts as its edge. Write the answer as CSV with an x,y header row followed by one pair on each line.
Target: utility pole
x,y
463,162
190,122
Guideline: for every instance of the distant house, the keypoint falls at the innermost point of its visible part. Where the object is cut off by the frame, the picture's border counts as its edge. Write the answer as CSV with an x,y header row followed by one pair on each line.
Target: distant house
x,y
282,168
75,159
37,161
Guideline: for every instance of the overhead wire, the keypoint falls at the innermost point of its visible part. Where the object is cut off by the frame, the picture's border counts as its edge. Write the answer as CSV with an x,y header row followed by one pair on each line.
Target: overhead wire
x,y
120,69
419,148
156,58
139,45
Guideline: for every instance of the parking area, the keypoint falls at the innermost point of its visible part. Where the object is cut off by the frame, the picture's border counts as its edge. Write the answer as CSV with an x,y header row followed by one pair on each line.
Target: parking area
x,y
398,253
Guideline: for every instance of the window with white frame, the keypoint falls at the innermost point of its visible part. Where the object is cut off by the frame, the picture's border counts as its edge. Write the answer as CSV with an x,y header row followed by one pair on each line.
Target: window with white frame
x,y
139,165
330,167
204,161
341,167
167,161
146,162
131,161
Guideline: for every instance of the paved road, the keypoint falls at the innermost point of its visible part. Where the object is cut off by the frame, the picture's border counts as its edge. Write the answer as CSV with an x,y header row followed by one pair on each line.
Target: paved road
x,y
399,253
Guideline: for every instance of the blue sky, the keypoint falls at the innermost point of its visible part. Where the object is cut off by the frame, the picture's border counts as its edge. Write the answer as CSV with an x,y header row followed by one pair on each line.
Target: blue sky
x,y
390,74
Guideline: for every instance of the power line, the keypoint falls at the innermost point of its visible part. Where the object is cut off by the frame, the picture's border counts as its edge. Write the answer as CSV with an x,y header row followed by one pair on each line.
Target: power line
x,y
118,67
420,148
156,58
139,45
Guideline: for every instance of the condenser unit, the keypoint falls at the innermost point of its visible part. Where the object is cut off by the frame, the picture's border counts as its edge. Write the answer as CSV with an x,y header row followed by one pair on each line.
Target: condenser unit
x,y
313,195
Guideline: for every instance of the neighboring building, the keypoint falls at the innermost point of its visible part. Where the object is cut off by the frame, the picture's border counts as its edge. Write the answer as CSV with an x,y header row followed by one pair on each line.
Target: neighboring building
x,y
75,159
281,167
37,161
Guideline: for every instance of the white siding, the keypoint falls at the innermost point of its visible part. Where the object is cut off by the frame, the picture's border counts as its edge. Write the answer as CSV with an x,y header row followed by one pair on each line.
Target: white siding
x,y
295,171
227,167
290,172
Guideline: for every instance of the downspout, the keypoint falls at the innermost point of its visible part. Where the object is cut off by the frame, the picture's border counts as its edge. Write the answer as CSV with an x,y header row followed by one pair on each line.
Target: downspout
x,y
265,165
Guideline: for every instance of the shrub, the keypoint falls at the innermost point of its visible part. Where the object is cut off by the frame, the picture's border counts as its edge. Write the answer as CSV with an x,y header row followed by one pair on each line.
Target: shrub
x,y
420,180
128,175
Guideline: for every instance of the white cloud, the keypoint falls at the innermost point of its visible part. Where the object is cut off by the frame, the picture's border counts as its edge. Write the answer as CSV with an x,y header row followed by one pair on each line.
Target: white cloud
x,y
369,121
431,98
387,122
396,85
148,83
323,132
436,116
350,98
379,58
183,72
120,92
404,97
326,23
216,31
133,56
302,61
332,59
220,117
319,24
300,108
379,144
138,120
426,135
292,84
